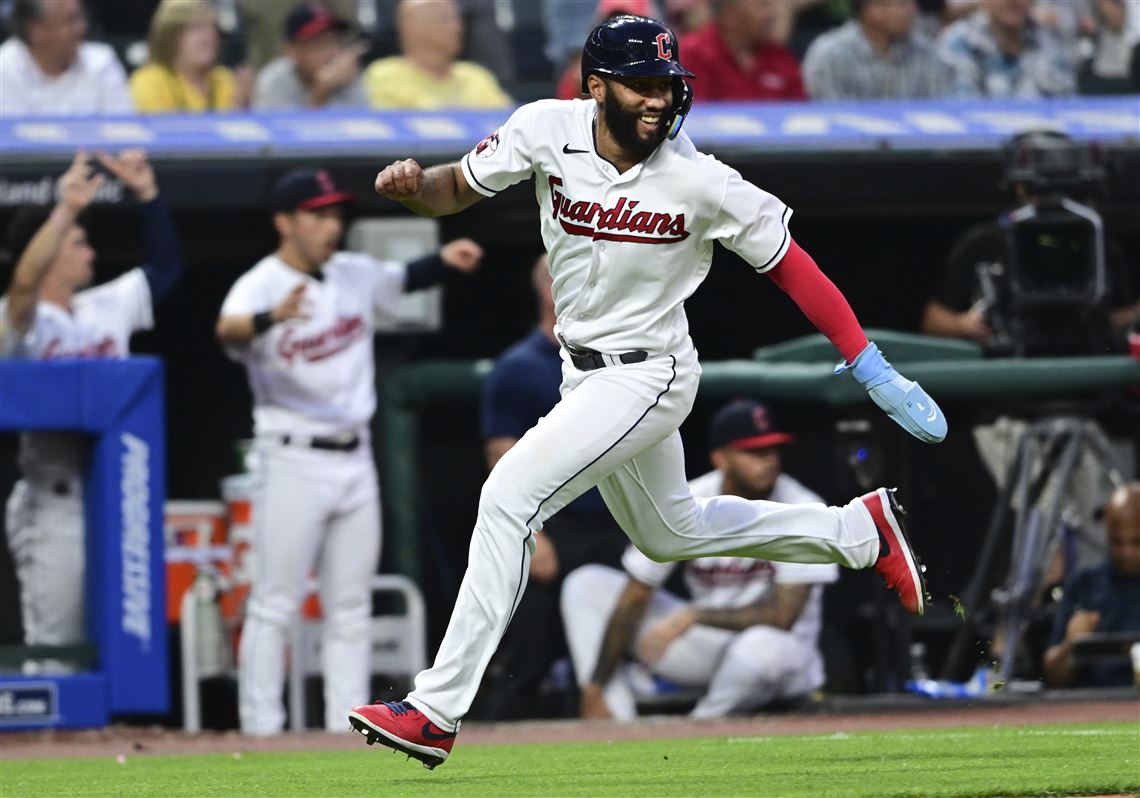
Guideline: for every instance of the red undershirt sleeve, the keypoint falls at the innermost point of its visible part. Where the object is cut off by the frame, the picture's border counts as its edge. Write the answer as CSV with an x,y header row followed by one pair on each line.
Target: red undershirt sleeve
x,y
799,277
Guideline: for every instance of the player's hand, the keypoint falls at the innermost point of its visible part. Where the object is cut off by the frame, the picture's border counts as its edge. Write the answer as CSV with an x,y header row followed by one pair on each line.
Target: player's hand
x,y
77,186
463,255
401,180
291,306
1083,622
973,326
904,401
651,647
592,703
134,171
343,69
544,562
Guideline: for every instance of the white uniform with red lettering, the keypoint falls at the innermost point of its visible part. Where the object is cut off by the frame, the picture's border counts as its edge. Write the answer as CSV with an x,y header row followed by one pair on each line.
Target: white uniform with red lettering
x,y
626,251
45,517
312,378
741,670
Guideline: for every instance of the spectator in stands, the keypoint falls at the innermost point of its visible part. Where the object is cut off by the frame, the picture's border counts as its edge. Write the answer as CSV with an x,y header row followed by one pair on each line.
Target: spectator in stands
x,y
263,23
49,312
685,16
428,74
810,18
566,26
319,69
1000,51
484,42
1103,599
570,84
520,390
182,72
1110,33
47,69
876,54
749,636
735,57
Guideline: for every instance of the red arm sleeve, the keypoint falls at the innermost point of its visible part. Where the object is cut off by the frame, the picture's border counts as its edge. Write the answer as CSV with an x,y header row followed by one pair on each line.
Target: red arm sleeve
x,y
800,278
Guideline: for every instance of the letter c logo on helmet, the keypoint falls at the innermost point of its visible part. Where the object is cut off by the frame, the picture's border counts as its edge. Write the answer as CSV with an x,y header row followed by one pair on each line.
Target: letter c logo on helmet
x,y
638,47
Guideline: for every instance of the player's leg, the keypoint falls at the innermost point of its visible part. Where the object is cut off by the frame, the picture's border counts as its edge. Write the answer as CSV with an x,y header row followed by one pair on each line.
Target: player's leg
x,y
605,417
650,498
46,538
760,665
693,657
589,595
289,511
349,556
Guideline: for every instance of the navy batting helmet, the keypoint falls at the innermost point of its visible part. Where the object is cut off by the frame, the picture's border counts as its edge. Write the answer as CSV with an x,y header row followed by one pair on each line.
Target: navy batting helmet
x,y
639,47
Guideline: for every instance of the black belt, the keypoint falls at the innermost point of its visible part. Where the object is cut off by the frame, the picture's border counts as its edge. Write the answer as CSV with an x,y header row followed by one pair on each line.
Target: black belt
x,y
327,444
590,359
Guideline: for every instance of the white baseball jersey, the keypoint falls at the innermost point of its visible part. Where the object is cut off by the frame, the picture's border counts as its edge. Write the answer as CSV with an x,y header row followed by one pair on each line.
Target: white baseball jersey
x,y
729,582
314,376
99,324
626,250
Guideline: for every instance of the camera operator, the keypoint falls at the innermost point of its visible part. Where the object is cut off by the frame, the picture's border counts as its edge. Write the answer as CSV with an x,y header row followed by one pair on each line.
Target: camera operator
x,y
1041,279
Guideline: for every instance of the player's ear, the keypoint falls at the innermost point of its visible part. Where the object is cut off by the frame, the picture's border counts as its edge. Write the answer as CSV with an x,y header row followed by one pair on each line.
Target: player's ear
x,y
718,460
283,222
597,87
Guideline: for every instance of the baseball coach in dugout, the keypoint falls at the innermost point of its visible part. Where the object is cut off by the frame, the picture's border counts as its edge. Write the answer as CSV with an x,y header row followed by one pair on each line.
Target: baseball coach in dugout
x,y
301,322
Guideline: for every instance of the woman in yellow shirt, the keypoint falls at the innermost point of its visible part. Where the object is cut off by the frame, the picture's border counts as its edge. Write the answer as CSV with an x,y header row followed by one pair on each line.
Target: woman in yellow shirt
x,y
182,73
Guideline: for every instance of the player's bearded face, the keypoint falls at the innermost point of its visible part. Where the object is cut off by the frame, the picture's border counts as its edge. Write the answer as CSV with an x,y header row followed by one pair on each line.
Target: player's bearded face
x,y
627,108
751,473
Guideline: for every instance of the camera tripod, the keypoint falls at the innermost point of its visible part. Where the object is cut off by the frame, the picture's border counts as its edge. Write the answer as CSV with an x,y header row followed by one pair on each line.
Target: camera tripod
x,y
1039,492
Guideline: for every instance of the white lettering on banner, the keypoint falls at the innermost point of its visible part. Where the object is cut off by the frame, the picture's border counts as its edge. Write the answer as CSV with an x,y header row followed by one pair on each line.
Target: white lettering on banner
x,y
800,124
737,124
136,538
26,192
934,122
43,191
872,125
12,705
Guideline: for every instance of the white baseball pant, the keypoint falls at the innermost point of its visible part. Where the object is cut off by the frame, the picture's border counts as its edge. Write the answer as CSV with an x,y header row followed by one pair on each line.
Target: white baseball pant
x,y
45,522
741,670
311,508
615,427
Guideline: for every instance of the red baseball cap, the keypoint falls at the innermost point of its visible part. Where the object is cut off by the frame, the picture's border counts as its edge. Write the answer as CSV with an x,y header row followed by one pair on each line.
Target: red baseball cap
x,y
745,424
308,19
305,189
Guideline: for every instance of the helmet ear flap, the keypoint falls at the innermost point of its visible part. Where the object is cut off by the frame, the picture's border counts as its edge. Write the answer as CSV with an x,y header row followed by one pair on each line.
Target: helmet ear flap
x,y
682,103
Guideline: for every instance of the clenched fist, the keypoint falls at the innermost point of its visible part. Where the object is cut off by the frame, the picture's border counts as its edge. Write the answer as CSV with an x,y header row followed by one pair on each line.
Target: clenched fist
x,y
401,180
463,255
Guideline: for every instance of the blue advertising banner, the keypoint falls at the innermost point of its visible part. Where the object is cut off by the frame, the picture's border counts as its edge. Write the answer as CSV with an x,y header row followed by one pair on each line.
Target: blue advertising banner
x,y
121,404
906,124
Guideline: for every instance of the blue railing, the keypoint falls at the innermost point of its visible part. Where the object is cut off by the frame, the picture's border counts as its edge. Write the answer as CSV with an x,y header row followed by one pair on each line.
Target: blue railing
x,y
939,125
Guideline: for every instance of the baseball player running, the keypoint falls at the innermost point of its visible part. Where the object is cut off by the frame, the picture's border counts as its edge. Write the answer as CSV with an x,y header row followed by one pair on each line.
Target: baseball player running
x,y
748,636
630,211
301,322
49,313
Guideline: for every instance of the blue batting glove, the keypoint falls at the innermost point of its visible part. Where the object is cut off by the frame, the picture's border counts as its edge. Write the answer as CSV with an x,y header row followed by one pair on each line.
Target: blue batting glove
x,y
903,400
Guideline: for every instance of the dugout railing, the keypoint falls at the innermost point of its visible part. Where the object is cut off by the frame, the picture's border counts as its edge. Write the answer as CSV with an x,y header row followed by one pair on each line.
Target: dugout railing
x,y
800,371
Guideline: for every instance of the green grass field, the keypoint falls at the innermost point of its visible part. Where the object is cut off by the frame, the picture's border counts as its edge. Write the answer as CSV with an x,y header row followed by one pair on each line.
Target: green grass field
x,y
1002,761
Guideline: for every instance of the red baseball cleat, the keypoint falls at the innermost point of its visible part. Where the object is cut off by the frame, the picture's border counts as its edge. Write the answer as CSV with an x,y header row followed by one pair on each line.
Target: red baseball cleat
x,y
897,563
399,725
